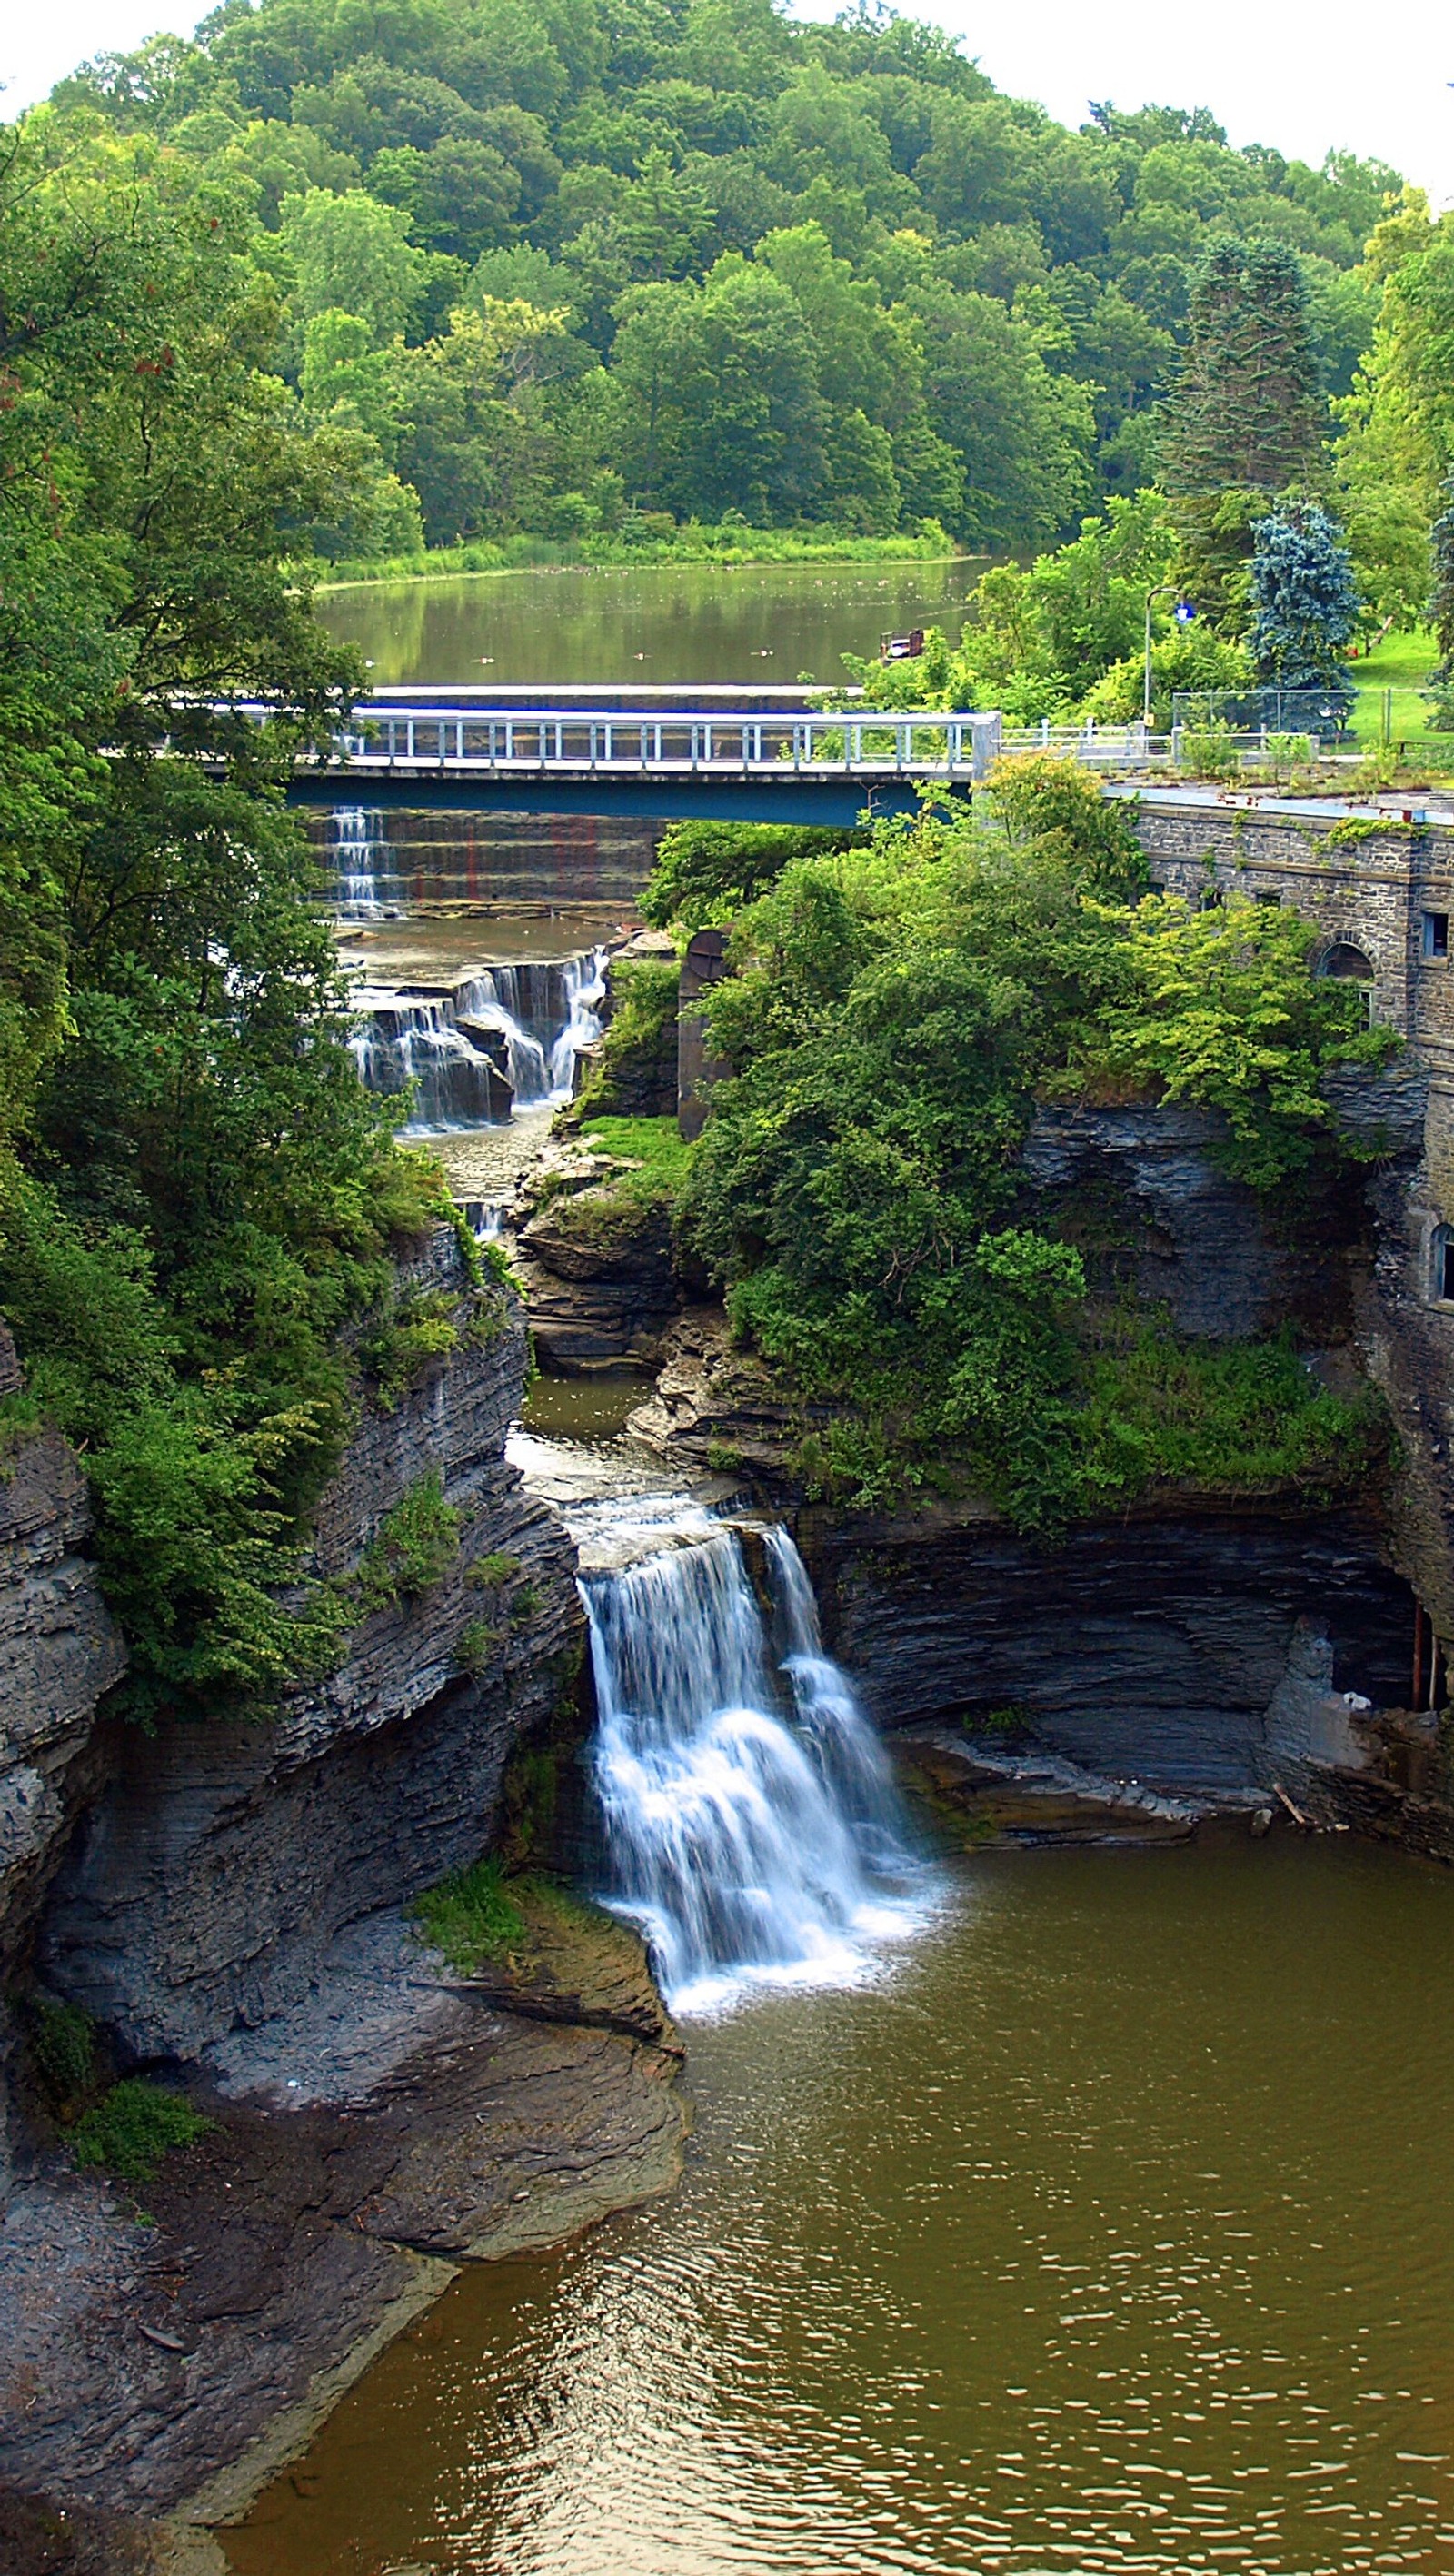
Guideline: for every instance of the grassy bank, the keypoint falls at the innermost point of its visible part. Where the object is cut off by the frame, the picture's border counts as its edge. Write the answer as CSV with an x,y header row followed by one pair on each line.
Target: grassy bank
x,y
730,544
1400,664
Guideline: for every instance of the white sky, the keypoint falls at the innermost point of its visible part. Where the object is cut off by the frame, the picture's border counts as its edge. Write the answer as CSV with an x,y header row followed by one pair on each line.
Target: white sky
x,y
1286,72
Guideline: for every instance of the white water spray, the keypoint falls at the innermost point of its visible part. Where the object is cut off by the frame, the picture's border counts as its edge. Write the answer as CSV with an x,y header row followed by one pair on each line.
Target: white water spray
x,y
509,1036
360,853
753,1832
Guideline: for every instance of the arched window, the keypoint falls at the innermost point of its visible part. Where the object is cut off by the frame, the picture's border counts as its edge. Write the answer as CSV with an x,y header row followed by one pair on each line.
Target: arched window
x,y
1347,964
1441,1265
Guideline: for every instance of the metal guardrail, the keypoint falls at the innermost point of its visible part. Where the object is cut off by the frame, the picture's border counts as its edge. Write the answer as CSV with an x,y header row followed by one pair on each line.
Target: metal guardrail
x,y
680,742
1102,746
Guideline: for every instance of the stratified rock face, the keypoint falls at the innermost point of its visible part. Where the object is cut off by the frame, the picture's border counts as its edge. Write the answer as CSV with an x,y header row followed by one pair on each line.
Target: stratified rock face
x,y
1196,1653
1160,1215
58,1652
210,1879
596,1262
358,2150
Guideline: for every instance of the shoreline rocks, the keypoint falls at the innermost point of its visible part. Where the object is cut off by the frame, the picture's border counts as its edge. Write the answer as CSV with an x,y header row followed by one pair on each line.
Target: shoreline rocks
x,y
168,2369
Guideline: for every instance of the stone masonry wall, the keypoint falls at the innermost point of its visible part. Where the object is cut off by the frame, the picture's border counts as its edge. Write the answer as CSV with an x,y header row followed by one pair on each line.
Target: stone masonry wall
x,y
1374,892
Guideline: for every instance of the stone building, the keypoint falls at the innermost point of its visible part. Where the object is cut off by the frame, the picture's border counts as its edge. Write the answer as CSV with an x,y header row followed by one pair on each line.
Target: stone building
x,y
1381,890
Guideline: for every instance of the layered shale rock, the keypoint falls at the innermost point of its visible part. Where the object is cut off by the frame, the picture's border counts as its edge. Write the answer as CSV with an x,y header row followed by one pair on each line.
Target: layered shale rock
x,y
211,1876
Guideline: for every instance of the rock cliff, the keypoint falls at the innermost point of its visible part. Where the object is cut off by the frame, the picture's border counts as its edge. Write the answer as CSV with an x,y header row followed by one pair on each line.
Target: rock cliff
x,y
232,1910
59,1651
596,1262
221,1860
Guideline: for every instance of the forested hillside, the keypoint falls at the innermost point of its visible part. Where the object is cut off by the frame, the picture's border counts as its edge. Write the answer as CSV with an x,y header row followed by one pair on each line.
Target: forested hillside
x,y
569,269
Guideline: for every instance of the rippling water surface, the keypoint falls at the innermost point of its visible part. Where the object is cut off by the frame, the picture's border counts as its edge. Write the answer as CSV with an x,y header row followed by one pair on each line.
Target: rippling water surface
x,y
1113,2230
669,624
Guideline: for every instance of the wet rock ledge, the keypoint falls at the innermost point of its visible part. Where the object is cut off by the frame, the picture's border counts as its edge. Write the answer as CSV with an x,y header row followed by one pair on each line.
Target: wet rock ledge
x,y
231,1904
165,2349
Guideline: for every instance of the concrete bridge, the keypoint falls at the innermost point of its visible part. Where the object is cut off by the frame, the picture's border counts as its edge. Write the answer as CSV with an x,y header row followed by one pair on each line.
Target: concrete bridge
x,y
753,764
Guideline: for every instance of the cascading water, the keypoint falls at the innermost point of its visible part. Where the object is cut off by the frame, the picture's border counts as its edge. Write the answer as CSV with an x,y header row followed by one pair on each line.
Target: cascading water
x,y
364,885
585,990
755,1834
506,1037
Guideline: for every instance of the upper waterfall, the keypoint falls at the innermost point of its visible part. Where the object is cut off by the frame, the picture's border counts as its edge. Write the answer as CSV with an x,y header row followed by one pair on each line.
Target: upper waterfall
x,y
752,1825
503,1037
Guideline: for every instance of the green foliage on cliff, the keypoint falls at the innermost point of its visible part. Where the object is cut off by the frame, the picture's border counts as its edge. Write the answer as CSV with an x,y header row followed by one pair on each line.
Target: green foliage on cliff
x,y
660,1155
858,1189
195,1194
706,872
134,2125
412,1549
470,1917
635,1070
403,1341
60,2042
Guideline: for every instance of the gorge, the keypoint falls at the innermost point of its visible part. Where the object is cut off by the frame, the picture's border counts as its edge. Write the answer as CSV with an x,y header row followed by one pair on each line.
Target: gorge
x,y
727,1518
609,1662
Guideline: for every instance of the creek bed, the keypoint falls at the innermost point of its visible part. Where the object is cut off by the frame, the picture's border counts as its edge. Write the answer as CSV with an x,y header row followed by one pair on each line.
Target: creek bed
x,y
1109,2230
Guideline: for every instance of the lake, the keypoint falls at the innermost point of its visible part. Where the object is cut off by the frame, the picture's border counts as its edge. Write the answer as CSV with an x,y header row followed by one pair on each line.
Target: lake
x,y
667,624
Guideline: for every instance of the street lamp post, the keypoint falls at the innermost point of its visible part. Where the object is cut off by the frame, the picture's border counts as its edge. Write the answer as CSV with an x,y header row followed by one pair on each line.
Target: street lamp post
x,y
1156,593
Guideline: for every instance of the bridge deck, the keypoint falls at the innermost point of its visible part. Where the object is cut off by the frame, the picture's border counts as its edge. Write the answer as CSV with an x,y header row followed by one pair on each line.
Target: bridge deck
x,y
754,763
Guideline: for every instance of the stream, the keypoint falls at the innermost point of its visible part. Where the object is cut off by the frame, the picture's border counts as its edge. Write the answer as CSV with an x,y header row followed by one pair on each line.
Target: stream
x,y
1046,2211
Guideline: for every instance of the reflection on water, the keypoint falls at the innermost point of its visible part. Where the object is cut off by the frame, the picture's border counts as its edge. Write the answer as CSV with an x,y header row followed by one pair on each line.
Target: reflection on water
x,y
676,622
585,1408
1112,2233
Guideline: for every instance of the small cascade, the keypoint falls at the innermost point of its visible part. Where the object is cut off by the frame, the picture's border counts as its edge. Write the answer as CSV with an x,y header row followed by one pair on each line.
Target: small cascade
x,y
585,990
458,1082
752,1827
364,886
507,1037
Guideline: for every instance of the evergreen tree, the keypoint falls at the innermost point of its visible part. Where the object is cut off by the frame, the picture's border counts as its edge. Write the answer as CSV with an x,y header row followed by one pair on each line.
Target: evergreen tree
x,y
1305,598
1245,413
1245,419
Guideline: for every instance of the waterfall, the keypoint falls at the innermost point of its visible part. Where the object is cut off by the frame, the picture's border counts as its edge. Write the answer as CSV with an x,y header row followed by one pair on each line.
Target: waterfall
x,y
752,1828
585,988
457,1083
505,1037
360,859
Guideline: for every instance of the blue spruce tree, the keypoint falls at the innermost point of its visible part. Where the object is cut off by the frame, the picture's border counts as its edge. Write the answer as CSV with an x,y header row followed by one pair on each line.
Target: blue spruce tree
x,y
1305,598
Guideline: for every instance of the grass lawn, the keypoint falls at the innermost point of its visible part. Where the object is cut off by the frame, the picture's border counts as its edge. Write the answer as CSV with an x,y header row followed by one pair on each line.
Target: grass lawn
x,y
654,1142
1402,663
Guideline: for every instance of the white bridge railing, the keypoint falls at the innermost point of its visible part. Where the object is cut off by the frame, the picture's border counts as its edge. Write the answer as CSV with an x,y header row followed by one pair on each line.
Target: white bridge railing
x,y
542,742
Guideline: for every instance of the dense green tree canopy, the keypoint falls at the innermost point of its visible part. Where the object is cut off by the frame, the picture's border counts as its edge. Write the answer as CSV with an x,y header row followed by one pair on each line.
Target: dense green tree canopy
x,y
195,1193
963,311
894,1014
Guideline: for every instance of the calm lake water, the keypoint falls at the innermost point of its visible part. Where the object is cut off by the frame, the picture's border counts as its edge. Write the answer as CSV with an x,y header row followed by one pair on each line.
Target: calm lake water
x,y
1112,2231
674,622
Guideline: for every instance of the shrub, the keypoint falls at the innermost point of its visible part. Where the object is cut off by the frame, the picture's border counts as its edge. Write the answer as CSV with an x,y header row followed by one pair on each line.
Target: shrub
x,y
469,1916
62,2045
397,1350
474,1648
636,1068
414,1547
493,1571
1210,751
133,2126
